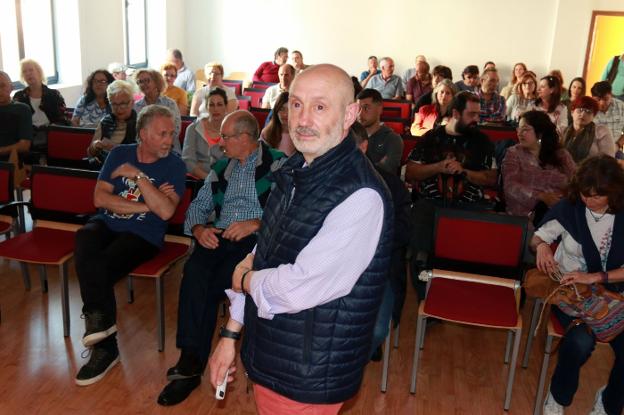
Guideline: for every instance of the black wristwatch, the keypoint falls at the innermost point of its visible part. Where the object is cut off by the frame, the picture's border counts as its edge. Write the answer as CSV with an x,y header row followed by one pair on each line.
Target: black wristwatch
x,y
223,332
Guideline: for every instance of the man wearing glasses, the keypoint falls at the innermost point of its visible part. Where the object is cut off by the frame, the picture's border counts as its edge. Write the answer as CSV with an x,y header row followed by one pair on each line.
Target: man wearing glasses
x,y
223,219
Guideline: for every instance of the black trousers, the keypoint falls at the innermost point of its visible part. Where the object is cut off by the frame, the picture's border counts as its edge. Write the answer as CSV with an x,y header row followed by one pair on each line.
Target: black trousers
x,y
103,257
207,273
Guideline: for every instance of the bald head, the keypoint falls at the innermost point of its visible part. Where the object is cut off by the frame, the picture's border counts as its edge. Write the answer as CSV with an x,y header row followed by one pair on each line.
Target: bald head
x,y
5,88
331,75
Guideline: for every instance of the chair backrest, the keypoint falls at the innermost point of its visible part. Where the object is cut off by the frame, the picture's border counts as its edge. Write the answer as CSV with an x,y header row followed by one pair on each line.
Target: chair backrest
x,y
244,102
398,125
391,112
256,95
62,194
480,242
185,122
408,146
261,115
176,223
67,146
496,134
404,106
261,85
6,182
234,83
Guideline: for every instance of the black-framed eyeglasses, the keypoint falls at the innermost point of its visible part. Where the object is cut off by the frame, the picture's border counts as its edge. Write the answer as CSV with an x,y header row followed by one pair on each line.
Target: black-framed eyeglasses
x,y
226,137
120,105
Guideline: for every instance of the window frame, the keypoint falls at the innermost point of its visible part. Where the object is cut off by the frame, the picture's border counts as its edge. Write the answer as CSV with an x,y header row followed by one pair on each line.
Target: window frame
x,y
127,37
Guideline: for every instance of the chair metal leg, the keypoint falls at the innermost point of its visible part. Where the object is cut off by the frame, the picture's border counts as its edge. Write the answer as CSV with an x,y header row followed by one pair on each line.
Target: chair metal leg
x,y
418,344
396,336
130,290
160,312
531,335
386,360
542,377
508,346
64,298
21,215
512,369
43,277
421,342
25,275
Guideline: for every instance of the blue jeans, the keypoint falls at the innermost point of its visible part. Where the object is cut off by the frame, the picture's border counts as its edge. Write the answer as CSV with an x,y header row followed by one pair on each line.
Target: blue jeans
x,y
382,325
576,347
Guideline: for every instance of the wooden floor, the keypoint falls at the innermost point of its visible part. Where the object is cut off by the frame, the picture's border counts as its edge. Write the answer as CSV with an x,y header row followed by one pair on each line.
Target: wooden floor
x,y
461,368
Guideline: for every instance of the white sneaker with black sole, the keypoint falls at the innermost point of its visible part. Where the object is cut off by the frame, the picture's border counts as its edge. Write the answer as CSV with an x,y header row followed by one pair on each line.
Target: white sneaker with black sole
x,y
100,362
551,407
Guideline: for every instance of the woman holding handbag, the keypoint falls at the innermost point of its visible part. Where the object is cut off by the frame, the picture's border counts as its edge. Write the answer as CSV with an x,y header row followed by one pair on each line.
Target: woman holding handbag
x,y
590,225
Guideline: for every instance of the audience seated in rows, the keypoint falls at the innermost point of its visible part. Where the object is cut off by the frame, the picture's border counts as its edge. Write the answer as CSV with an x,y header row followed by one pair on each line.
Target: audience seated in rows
x,y
549,101
577,89
276,133
214,76
410,72
16,129
564,92
389,85
373,69
268,71
437,113
584,138
152,85
419,84
93,104
470,79
286,75
536,171
185,77
297,61
118,70
610,110
523,98
201,149
440,72
518,70
118,126
385,147
177,94
492,104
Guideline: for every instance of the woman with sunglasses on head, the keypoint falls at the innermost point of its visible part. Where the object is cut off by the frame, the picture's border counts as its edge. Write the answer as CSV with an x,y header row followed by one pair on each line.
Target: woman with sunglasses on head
x,y
590,225
584,138
549,101
93,105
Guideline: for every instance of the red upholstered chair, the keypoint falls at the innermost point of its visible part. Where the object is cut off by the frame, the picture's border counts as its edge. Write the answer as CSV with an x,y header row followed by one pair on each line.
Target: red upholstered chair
x,y
496,134
405,107
244,102
256,95
261,85
485,250
390,112
61,200
186,121
236,84
67,146
8,212
408,146
398,125
261,115
176,247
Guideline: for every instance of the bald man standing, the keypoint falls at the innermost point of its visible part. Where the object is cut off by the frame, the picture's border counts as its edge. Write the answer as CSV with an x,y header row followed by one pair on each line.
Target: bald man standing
x,y
309,293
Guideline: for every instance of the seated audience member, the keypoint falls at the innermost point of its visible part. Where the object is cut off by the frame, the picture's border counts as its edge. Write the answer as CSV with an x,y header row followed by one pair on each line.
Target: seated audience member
x,y
177,94
419,84
537,169
470,79
523,99
118,126
394,292
297,61
518,70
138,190
373,69
614,74
436,114
564,92
385,147
590,252
276,133
583,138
576,90
489,65
92,106
214,76
409,73
549,101
15,122
201,148
448,167
610,111
268,71
118,70
286,75
235,193
440,72
185,77
152,85
492,104
389,85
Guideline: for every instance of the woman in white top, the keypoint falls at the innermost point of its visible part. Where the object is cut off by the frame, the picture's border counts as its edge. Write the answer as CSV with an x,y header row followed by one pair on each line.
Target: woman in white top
x,y
549,101
590,223
214,75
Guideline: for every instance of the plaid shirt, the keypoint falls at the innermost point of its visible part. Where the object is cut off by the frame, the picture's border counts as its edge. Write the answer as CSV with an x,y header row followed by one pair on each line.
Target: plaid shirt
x,y
493,110
613,118
240,201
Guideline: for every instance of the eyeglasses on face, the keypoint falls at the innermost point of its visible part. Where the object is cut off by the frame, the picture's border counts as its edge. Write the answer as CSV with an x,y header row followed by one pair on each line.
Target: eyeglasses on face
x,y
120,105
100,81
144,81
226,137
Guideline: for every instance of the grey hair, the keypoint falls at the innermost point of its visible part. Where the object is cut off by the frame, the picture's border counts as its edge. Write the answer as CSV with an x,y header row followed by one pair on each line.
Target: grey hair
x,y
442,84
6,75
245,122
119,86
150,112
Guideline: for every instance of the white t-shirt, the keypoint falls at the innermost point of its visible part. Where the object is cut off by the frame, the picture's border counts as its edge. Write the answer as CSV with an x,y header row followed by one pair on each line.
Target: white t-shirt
x,y
39,118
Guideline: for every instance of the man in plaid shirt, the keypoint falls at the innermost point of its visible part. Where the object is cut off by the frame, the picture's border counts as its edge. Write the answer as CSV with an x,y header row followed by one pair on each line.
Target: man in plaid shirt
x,y
492,104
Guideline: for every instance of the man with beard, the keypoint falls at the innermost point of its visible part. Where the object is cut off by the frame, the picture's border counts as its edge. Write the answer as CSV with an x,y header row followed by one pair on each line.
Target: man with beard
x,y
449,167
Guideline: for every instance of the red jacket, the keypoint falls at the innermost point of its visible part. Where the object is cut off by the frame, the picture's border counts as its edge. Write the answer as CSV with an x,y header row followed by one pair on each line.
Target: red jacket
x,y
267,72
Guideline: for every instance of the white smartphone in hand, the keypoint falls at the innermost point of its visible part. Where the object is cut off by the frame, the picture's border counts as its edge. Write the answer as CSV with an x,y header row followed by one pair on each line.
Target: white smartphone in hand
x,y
220,394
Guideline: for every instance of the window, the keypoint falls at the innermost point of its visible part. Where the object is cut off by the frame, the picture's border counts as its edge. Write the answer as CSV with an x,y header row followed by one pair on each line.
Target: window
x,y
136,33
27,31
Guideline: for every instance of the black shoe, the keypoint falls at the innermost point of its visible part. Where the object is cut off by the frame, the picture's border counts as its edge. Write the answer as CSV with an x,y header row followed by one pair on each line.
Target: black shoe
x,y
101,361
98,327
188,366
178,390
